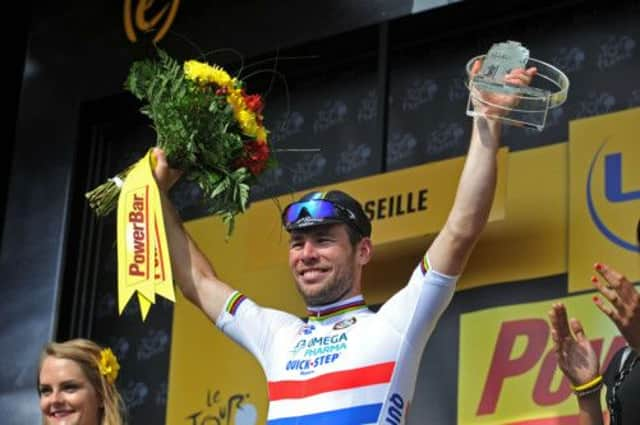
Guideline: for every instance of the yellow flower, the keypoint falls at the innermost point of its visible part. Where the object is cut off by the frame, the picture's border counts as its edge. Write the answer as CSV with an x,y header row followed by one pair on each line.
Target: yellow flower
x,y
246,120
235,99
220,77
204,74
261,135
108,365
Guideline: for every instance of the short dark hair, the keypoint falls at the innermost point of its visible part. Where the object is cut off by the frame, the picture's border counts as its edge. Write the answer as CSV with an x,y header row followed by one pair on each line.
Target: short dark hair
x,y
354,235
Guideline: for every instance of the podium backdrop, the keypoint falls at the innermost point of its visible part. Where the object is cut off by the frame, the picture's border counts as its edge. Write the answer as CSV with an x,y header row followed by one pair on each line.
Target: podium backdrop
x,y
558,210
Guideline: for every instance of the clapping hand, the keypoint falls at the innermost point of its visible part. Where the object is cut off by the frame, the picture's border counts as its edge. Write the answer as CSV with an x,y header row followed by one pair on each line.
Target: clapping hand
x,y
576,357
624,303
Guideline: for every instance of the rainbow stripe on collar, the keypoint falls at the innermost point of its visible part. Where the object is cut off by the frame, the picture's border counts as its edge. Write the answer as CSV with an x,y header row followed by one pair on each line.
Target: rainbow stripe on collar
x,y
336,310
234,302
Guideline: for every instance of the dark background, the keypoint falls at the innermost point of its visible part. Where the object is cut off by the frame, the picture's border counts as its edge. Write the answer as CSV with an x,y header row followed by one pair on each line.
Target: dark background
x,y
370,84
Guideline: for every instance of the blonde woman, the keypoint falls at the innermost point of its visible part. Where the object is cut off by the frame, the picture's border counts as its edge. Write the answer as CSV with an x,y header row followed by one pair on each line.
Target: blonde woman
x,y
76,384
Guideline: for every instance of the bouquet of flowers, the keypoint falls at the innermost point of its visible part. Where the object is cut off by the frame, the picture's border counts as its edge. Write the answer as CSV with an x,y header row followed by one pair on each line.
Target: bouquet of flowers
x,y
209,127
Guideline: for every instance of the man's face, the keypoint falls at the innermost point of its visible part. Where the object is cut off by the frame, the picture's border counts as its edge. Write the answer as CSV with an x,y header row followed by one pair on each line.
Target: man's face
x,y
324,264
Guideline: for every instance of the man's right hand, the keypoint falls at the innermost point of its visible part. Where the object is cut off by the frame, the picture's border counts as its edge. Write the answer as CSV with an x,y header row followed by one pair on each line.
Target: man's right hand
x,y
165,176
192,270
497,104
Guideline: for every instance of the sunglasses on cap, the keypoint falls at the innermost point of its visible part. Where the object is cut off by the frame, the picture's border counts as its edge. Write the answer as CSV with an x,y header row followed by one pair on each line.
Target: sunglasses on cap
x,y
316,211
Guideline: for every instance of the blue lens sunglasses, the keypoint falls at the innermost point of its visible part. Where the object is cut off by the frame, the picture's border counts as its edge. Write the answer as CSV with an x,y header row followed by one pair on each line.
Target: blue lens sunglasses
x,y
317,209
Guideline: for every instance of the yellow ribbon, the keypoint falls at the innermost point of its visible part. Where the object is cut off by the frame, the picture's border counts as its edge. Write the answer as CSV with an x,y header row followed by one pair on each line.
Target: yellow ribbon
x,y
144,266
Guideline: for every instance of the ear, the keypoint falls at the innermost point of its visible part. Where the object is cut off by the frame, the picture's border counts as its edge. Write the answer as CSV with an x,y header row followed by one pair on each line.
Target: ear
x,y
364,251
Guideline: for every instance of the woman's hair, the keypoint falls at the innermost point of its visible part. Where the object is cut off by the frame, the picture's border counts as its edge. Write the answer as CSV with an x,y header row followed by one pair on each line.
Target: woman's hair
x,y
87,355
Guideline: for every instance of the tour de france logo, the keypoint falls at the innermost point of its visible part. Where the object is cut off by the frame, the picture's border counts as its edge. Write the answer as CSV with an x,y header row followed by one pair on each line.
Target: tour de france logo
x,y
143,16
615,193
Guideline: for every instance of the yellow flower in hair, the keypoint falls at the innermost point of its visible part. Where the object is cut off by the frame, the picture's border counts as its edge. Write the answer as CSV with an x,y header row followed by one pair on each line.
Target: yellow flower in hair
x,y
108,365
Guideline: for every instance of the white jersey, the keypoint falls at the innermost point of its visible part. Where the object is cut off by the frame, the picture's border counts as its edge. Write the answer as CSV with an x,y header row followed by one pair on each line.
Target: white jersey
x,y
345,365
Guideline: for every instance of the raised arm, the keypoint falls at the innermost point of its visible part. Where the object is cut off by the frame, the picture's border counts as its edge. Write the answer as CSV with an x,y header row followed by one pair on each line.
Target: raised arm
x,y
192,271
450,250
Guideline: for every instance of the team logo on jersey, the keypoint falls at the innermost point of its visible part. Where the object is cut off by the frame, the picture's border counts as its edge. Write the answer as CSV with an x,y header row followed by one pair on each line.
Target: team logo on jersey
x,y
308,366
317,345
395,409
306,329
343,324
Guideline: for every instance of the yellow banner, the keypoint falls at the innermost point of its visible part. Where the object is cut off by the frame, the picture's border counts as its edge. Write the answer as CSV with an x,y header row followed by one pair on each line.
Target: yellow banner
x,y
508,373
604,166
405,206
144,267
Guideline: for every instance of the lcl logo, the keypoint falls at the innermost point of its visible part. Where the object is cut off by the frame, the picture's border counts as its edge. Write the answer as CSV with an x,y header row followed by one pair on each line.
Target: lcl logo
x,y
160,19
614,194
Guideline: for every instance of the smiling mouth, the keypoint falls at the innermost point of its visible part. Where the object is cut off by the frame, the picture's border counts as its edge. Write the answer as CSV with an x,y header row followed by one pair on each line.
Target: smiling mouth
x,y
60,414
312,274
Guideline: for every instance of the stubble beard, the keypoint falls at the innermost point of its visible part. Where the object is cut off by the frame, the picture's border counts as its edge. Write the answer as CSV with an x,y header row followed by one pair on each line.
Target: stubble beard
x,y
333,291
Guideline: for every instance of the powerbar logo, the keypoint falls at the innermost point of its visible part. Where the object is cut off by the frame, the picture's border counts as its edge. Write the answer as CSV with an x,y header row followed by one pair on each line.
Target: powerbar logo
x,y
511,360
138,233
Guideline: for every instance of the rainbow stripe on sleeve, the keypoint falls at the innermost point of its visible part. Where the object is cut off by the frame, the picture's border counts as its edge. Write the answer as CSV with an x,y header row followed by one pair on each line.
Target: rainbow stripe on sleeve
x,y
234,302
424,264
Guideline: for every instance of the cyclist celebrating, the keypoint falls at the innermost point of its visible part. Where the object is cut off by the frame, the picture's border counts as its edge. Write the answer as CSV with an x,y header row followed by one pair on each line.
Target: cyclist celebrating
x,y
328,369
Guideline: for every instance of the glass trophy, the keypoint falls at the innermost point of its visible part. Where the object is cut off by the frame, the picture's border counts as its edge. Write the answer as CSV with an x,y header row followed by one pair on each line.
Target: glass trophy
x,y
491,96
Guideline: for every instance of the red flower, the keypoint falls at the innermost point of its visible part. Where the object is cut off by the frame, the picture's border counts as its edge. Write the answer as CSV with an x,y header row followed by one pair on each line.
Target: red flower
x,y
254,103
254,157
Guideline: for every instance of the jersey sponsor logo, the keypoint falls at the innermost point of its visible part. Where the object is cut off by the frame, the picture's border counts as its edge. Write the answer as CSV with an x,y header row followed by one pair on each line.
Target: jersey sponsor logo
x,y
395,410
306,329
319,341
327,349
308,366
343,324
